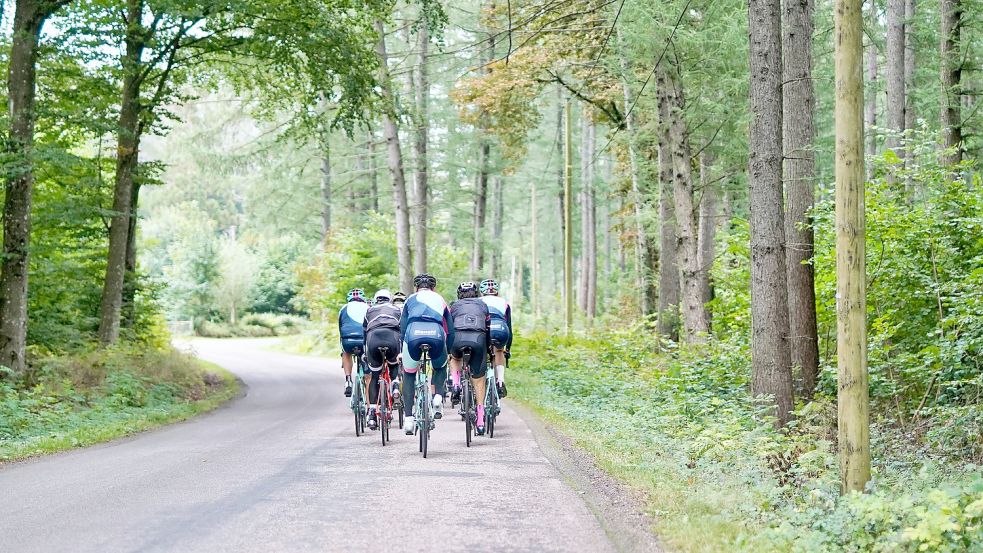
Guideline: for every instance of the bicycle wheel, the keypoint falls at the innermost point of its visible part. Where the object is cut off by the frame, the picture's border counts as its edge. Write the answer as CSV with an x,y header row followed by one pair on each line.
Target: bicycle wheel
x,y
357,407
382,413
490,412
466,402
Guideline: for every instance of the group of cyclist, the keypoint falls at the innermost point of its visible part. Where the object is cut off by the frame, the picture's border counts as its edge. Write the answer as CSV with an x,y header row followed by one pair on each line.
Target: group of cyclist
x,y
403,327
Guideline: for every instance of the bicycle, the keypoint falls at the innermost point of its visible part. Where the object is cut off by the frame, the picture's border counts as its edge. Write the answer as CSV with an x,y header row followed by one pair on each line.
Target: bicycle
x,y
358,403
467,397
492,401
385,398
423,409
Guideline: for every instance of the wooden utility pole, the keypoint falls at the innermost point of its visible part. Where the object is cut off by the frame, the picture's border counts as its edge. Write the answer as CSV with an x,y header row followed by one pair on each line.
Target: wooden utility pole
x,y
534,290
567,216
851,303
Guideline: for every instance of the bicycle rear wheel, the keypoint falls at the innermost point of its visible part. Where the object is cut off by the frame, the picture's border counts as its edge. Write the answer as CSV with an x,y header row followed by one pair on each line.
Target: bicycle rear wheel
x,y
490,412
382,414
466,401
357,408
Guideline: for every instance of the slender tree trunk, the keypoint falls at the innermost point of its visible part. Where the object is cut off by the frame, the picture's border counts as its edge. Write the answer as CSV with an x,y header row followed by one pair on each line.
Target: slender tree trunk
x,y
668,269
391,134
130,283
870,112
480,208
373,174
641,275
694,316
560,187
909,64
590,239
534,231
950,46
127,159
708,233
851,333
422,135
19,186
798,136
896,97
585,158
325,191
771,373
498,214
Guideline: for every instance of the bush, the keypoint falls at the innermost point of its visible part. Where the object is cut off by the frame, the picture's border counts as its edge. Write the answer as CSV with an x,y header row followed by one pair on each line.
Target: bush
x,y
256,325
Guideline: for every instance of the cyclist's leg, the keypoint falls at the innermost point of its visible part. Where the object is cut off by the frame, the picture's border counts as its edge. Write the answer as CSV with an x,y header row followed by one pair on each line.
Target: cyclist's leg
x,y
455,362
410,366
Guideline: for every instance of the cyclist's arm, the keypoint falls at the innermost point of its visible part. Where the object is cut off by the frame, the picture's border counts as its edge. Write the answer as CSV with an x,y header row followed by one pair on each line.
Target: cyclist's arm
x,y
341,317
449,325
508,321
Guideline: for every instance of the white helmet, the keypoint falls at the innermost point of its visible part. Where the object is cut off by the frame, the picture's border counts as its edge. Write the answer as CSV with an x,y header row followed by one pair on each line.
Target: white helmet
x,y
383,296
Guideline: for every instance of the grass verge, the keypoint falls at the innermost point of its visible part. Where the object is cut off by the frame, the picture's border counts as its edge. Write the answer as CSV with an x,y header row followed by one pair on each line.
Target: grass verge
x,y
717,476
81,400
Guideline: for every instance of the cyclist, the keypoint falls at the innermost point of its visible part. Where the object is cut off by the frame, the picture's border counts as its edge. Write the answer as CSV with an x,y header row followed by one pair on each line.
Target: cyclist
x,y
500,329
399,299
381,330
424,322
470,318
350,321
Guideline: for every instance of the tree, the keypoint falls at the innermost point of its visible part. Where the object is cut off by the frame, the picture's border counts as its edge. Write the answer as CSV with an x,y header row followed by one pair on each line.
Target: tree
x,y
420,144
771,373
29,18
238,269
950,48
895,72
395,157
870,109
798,135
668,324
851,333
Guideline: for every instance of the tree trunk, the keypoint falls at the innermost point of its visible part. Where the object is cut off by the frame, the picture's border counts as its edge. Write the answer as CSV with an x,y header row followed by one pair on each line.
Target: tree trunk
x,y
641,275
951,63
870,112
896,97
422,166
534,232
127,159
851,333
130,283
585,159
395,157
798,136
498,214
480,207
909,64
671,105
21,91
668,324
373,174
559,188
590,239
325,192
708,233
771,373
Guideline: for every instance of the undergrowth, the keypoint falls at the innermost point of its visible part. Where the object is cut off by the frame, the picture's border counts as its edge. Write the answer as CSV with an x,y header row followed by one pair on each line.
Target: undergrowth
x,y
681,427
80,399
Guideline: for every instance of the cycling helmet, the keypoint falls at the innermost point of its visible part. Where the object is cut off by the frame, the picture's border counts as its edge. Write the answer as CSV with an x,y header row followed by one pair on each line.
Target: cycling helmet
x,y
356,294
383,296
399,298
467,290
489,287
425,280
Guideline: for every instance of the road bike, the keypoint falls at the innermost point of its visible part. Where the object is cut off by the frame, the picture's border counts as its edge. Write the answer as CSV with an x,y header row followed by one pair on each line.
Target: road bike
x,y
385,397
423,409
492,401
358,403
467,410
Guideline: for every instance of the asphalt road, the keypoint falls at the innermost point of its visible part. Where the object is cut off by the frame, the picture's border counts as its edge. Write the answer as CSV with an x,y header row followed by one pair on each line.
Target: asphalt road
x,y
281,470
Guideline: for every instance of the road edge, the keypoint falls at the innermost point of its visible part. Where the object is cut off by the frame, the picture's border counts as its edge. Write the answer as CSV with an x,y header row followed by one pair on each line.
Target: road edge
x,y
619,510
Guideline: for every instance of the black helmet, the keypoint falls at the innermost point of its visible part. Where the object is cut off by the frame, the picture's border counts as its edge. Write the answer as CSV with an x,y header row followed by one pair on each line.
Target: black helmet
x,y
467,290
399,297
425,280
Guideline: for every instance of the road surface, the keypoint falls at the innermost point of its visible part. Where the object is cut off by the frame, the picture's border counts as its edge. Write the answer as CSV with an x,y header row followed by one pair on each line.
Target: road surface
x,y
281,470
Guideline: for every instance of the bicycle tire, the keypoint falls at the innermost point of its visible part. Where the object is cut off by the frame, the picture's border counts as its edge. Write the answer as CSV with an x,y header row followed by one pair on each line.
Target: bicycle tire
x,y
466,400
490,411
382,414
357,407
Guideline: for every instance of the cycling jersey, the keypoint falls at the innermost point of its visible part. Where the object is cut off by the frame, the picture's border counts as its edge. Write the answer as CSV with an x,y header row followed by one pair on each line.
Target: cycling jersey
x,y
425,321
500,325
350,321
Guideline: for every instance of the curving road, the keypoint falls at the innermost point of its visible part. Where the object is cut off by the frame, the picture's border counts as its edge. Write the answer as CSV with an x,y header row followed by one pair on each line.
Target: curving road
x,y
281,470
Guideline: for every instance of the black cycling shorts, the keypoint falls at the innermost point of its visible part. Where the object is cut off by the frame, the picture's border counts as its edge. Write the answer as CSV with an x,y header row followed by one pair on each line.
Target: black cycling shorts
x,y
382,337
353,344
478,342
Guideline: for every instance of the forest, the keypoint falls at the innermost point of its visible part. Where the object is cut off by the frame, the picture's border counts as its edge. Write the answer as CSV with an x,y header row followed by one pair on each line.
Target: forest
x,y
662,187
